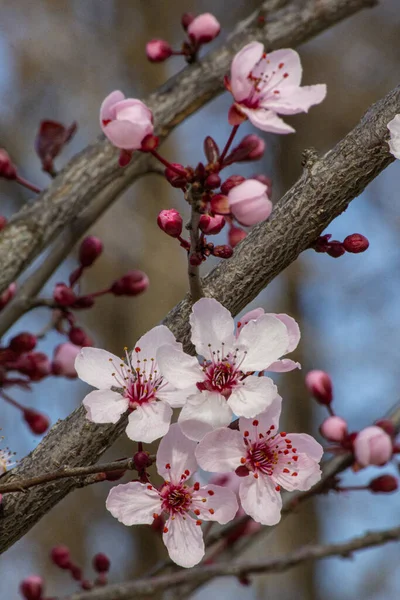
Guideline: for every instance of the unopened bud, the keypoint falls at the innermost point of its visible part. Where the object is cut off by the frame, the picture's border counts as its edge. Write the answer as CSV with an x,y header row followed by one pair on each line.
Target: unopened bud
x,y
170,221
334,429
231,182
76,572
37,422
133,283
142,460
7,167
90,249
265,180
84,302
64,360
177,180
319,384
64,295
355,243
158,50
235,235
61,557
384,484
79,337
213,181
220,204
36,365
101,563
31,588
23,342
204,28
224,251
186,19
252,147
335,249
211,225
195,259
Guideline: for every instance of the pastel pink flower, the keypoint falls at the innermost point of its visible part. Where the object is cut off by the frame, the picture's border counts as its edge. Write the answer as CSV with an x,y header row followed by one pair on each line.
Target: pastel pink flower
x,y
334,429
224,383
249,202
126,122
64,360
265,85
394,142
141,388
373,446
265,461
204,28
158,50
185,505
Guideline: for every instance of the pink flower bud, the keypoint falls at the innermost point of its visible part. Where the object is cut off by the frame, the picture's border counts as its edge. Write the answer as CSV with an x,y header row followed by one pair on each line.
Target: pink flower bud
x,y
249,202
384,484
61,557
220,204
64,295
64,360
3,222
176,180
355,243
35,365
79,337
265,180
101,563
186,19
126,122
319,384
36,422
7,168
170,221
224,251
213,181
211,225
90,249
334,429
231,182
23,342
133,283
204,28
158,50
235,235
31,588
252,147
335,249
372,446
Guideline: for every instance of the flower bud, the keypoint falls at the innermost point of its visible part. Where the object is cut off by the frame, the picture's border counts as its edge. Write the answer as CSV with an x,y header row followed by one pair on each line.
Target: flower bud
x,y
8,295
125,121
334,429
79,337
249,202
384,484
23,342
37,422
213,181
31,588
64,295
170,221
142,460
64,360
231,182
211,225
84,302
265,180
7,168
175,179
61,557
224,251
35,365
220,204
235,235
203,29
186,19
335,249
386,425
355,243
158,50
101,563
372,446
133,283
3,222
195,259
89,250
252,147
319,385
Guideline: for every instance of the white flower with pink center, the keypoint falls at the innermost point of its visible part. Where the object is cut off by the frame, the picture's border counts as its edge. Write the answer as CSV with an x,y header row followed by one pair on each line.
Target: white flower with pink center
x,y
224,383
264,459
265,85
185,505
134,385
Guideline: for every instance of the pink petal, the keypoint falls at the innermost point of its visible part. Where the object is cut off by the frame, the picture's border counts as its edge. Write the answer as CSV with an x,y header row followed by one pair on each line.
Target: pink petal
x,y
149,422
252,315
283,366
151,341
178,368
266,419
211,324
292,327
249,202
125,135
133,503
264,340
184,541
308,474
266,120
221,450
292,101
105,406
306,444
278,64
106,109
202,413
222,502
260,499
372,446
242,65
133,110
175,450
252,396
175,398
96,366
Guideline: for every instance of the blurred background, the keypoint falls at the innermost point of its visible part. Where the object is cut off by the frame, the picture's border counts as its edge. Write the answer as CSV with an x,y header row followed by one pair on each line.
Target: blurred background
x,y
60,58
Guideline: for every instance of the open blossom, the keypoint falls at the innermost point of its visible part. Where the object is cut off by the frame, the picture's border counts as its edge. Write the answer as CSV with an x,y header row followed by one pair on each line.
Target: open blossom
x,y
264,459
249,202
125,121
373,446
185,505
135,385
394,142
224,383
265,85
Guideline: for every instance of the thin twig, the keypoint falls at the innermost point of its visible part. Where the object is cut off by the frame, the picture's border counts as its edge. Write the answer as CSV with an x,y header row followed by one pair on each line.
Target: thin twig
x,y
195,288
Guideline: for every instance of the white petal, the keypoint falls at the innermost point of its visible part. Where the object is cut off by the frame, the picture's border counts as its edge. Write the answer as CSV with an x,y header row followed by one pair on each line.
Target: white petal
x,y
178,368
175,398
269,419
212,325
176,450
260,499
184,541
264,340
149,422
133,503
252,396
292,327
283,366
292,101
282,61
221,450
221,501
95,367
306,444
202,413
266,120
242,65
308,474
151,341
105,406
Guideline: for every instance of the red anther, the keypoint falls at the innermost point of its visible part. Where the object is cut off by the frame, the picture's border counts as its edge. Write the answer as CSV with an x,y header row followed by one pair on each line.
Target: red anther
x,y
90,249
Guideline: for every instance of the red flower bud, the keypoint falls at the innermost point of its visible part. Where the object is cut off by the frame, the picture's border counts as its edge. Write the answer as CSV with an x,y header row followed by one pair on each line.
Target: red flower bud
x,y
142,460
203,29
195,259
223,251
355,243
335,249
170,221
90,249
31,588
37,422
61,557
334,429
35,365
133,283
7,168
213,181
23,342
211,225
101,563
252,147
177,180
383,484
84,302
50,140
3,222
231,182
220,204
319,384
158,50
186,19
79,337
64,295
76,572
235,235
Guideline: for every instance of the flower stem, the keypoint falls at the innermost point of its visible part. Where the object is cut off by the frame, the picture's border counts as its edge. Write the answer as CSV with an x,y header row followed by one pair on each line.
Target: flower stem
x,y
28,184
228,144
11,401
165,162
195,288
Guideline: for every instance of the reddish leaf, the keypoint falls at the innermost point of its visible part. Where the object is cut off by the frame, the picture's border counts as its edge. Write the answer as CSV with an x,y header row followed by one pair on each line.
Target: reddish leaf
x,y
50,140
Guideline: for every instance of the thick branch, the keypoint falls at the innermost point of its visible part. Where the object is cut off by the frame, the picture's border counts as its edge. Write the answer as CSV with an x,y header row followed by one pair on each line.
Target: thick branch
x,y
76,187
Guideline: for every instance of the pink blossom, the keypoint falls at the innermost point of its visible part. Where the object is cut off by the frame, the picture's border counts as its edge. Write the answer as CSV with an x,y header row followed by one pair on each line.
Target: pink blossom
x,y
373,446
64,360
265,85
185,505
319,384
223,384
126,122
265,461
144,392
211,225
171,222
249,202
334,429
394,142
158,50
204,28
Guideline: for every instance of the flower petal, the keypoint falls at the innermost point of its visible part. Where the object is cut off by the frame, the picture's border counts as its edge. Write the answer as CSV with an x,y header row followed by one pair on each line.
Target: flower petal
x,y
242,65
175,398
149,422
96,366
283,366
176,450
178,368
133,503
106,112
212,325
105,406
269,419
151,341
308,474
266,120
306,444
202,413
292,101
260,499
220,501
264,340
252,396
221,450
184,541
279,63
292,327
124,134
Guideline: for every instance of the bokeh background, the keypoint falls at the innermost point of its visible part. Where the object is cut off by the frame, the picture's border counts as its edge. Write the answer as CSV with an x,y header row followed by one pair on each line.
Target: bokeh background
x,y
60,58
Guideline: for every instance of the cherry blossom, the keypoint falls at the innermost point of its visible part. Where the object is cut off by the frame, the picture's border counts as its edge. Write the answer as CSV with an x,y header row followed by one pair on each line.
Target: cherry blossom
x,y
249,202
224,383
185,505
394,142
204,28
373,446
125,121
265,459
142,389
265,85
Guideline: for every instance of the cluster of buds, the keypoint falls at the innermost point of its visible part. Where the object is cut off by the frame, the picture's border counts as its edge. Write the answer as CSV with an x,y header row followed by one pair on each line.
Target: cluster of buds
x,y
200,30
354,244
